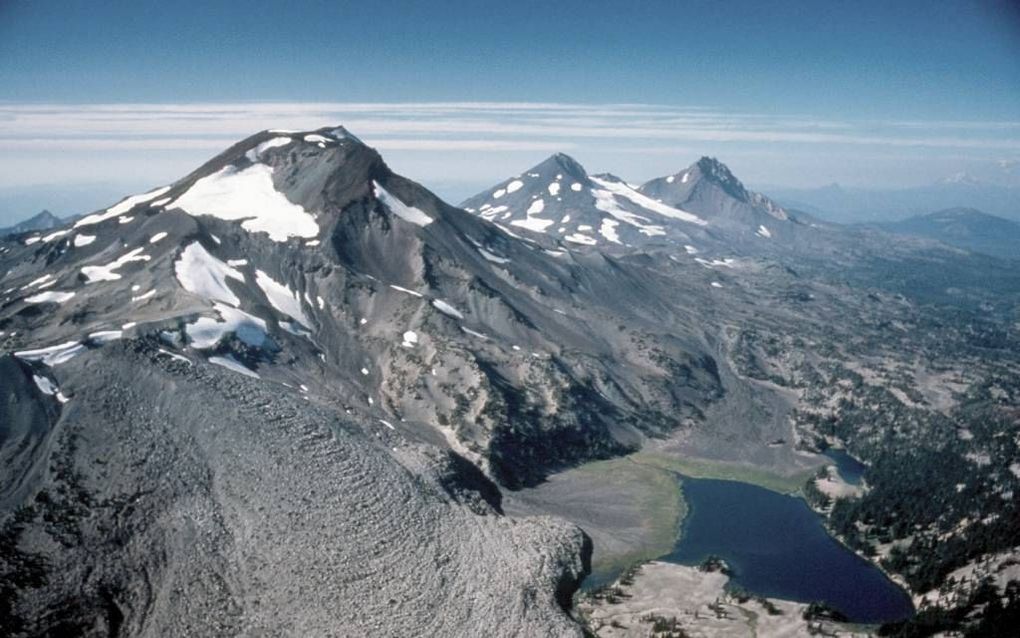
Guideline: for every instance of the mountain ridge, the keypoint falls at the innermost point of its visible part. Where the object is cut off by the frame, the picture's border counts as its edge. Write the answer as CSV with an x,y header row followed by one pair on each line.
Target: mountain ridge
x,y
43,220
342,345
966,228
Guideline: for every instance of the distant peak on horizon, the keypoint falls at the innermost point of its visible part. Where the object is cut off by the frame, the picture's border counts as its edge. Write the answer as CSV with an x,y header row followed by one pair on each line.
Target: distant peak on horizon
x,y
961,178
560,163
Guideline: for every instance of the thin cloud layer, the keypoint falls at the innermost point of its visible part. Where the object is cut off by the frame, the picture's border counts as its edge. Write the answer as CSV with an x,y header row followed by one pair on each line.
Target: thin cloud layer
x,y
460,148
474,126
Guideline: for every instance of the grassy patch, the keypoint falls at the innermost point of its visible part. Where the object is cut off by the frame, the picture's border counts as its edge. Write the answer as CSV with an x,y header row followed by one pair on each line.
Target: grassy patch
x,y
701,468
659,501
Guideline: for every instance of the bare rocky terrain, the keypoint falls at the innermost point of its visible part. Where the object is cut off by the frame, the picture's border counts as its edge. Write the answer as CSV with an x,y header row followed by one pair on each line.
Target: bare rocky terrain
x,y
663,600
291,392
280,516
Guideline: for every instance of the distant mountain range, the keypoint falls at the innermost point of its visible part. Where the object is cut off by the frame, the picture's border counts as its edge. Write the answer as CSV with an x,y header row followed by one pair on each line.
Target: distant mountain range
x,y
294,386
965,228
853,205
41,221
703,209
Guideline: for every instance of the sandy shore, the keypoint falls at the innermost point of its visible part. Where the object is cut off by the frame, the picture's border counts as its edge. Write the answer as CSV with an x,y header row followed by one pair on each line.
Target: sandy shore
x,y
697,602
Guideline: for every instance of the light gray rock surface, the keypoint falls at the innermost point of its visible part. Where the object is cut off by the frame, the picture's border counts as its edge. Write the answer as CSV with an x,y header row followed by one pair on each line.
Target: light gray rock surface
x,y
282,394
182,499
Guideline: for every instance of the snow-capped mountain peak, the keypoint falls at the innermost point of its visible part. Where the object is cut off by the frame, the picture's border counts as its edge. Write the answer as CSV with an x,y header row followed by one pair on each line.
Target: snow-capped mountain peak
x,y
558,198
709,188
561,164
300,259
225,254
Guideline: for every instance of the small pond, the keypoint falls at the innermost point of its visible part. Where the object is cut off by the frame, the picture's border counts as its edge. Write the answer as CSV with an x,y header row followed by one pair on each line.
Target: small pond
x,y
849,468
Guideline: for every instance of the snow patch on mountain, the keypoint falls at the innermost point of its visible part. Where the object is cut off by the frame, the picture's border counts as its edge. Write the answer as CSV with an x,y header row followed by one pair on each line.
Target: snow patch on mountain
x,y
54,235
120,208
49,388
447,309
285,300
203,275
249,195
107,272
53,355
606,202
578,238
608,230
50,296
207,332
40,282
496,259
623,190
232,364
531,222
105,336
399,208
474,333
254,154
406,291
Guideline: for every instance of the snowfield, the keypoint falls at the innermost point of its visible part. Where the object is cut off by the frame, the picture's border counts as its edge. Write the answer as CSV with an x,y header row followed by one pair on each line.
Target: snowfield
x,y
204,276
248,195
206,332
285,300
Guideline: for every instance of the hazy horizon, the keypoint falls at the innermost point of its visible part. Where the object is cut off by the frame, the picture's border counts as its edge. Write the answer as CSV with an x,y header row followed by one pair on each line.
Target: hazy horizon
x,y
118,97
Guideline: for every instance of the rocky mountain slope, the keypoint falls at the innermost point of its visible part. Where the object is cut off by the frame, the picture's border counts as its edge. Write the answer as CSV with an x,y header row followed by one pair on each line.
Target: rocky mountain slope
x,y
385,296
294,377
210,400
854,337
708,186
159,496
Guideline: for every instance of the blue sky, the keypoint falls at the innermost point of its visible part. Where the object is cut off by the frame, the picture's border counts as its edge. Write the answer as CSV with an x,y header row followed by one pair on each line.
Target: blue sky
x,y
864,93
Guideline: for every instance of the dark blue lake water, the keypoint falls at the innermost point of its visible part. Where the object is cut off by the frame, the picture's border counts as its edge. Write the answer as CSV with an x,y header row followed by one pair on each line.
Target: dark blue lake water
x,y
778,547
848,467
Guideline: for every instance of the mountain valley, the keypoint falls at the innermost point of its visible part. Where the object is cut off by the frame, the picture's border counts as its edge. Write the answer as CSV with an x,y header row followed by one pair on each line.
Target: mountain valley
x,y
295,392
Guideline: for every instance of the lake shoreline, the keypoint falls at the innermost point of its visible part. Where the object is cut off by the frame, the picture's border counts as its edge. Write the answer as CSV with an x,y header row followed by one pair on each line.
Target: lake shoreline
x,y
782,549
669,596
634,507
